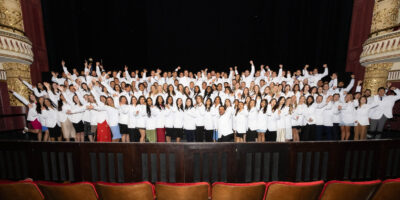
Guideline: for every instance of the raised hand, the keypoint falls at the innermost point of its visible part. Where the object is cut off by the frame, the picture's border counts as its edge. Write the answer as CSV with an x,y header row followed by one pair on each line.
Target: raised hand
x,y
325,65
359,82
280,66
251,62
353,76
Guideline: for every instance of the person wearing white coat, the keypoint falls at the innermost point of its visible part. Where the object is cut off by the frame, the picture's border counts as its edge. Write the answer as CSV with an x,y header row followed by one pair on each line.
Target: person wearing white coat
x,y
383,111
261,122
141,118
160,118
283,111
75,115
151,113
189,120
272,117
224,125
112,117
123,119
252,119
178,112
200,110
361,117
133,112
33,116
298,118
240,121
51,120
169,118
209,116
347,113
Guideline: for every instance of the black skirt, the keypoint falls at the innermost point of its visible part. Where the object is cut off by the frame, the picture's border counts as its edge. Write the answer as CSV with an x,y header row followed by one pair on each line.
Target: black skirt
x,y
78,127
123,128
55,132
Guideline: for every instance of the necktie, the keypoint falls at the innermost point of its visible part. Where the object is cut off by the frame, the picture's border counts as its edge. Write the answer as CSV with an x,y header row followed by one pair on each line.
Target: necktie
x,y
381,98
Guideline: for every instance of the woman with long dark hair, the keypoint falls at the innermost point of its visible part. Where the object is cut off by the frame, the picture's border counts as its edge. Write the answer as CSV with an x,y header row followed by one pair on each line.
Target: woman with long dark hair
x,y
33,116
141,118
160,118
169,118
50,115
240,121
262,121
151,135
189,119
178,111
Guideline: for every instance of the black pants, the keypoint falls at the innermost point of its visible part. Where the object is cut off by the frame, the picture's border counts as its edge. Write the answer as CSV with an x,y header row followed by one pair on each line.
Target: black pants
x,y
134,135
226,138
189,135
308,133
336,131
251,136
270,136
199,133
208,135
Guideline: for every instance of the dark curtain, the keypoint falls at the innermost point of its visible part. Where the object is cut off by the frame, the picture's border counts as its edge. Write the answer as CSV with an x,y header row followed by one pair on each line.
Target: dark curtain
x,y
199,33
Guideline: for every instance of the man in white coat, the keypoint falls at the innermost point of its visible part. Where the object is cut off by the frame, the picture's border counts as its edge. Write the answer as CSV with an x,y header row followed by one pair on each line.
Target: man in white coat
x,y
383,111
225,125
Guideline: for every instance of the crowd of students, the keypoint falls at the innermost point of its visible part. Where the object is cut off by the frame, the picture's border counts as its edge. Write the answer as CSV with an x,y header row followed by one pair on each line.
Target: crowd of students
x,y
256,105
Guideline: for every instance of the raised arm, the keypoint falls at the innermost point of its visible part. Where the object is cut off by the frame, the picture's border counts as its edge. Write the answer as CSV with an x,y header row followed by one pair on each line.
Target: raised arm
x,y
325,71
351,84
20,98
253,69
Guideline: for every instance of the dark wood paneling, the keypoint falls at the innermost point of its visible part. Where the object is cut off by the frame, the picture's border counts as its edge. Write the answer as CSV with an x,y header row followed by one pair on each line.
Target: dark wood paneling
x,y
193,162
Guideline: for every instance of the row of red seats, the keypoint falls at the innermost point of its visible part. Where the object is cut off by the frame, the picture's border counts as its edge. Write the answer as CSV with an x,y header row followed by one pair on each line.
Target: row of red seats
x,y
331,190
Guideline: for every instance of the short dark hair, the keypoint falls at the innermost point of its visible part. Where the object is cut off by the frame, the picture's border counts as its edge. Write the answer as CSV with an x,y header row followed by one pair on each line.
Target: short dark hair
x,y
381,88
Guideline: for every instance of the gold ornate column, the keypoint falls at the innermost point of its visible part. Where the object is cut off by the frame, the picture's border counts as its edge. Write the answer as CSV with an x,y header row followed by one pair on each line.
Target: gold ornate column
x,y
15,48
378,50
376,76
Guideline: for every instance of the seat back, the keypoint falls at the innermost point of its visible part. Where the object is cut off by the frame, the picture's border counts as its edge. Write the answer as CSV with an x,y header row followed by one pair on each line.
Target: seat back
x,y
125,191
292,191
238,191
70,191
389,190
349,190
21,190
182,191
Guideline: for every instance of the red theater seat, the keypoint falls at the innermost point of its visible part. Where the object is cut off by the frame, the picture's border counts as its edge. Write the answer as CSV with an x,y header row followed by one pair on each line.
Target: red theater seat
x,y
293,191
68,191
182,191
238,191
125,191
340,190
389,190
21,190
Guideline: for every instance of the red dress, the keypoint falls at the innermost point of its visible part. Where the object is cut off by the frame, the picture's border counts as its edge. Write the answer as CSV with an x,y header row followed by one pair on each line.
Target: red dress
x,y
103,132
160,134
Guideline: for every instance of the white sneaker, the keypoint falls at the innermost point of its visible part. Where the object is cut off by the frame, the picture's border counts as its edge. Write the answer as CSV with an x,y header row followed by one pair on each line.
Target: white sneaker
x,y
25,130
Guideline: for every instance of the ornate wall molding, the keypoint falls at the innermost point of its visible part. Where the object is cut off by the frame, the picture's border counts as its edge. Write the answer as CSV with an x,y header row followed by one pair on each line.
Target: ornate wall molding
x,y
383,48
15,48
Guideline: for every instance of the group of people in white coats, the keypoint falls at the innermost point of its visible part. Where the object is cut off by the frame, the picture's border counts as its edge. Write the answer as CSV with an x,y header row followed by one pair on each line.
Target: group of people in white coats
x,y
256,105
